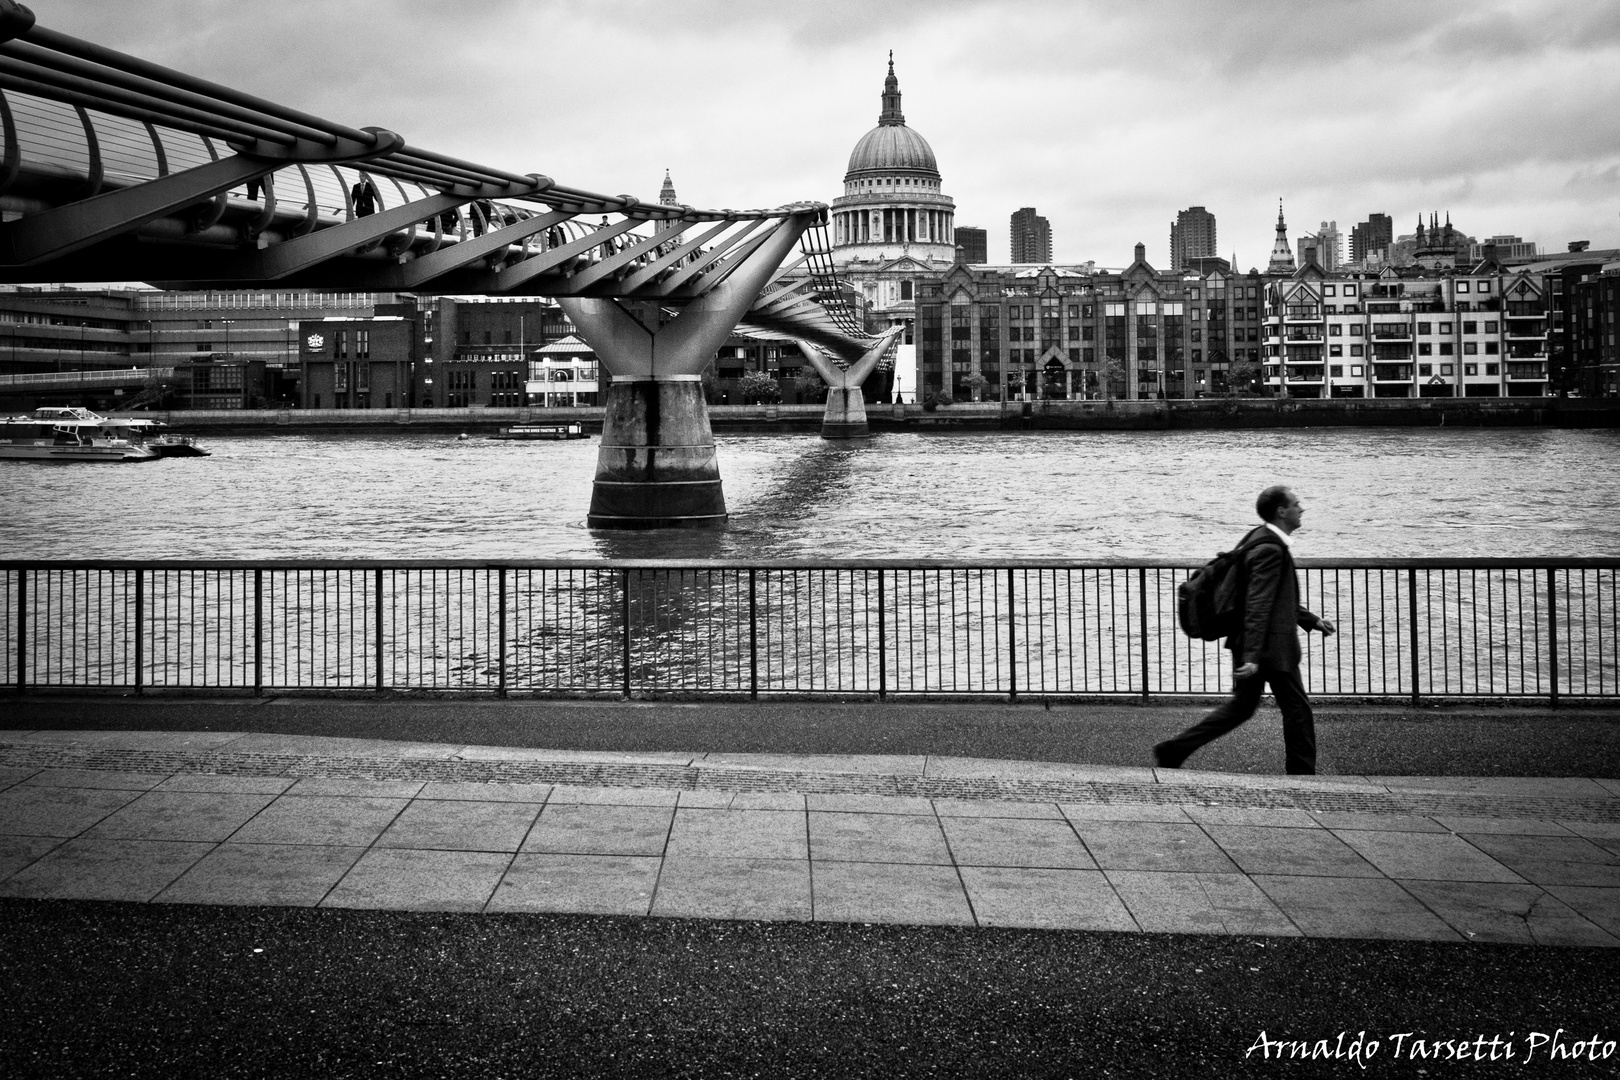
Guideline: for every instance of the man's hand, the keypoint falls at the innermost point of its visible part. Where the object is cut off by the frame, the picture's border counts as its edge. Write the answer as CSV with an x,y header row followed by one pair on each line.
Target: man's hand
x,y
1327,628
1246,671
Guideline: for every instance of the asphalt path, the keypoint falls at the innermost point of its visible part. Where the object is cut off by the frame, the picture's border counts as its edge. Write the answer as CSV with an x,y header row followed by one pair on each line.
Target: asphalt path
x,y
101,989
1379,740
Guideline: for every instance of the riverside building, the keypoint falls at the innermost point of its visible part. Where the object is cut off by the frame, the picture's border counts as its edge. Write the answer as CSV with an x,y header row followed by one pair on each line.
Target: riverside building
x,y
1078,331
113,348
1004,333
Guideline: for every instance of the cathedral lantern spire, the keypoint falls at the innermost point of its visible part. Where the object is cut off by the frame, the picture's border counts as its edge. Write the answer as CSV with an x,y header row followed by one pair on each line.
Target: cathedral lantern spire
x,y
891,114
666,194
1282,259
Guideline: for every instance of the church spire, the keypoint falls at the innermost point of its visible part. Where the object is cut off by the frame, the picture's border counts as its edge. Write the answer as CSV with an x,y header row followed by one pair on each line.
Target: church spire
x,y
1282,259
666,194
891,114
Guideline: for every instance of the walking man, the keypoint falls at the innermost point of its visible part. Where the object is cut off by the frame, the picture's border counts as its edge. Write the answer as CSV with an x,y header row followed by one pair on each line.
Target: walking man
x,y
1265,648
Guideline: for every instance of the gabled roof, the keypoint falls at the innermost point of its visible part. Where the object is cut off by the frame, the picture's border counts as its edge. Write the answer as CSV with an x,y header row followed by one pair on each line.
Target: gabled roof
x,y
569,344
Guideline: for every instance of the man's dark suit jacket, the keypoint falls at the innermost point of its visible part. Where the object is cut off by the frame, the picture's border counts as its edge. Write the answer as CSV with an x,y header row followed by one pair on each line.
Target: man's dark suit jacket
x,y
1272,616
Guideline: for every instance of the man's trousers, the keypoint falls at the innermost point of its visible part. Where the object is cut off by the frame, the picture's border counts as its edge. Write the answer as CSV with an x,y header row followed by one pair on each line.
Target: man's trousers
x,y
1299,725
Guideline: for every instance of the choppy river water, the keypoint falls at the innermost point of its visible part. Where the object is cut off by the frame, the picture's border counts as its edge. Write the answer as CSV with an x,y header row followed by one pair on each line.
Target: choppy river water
x,y
1367,493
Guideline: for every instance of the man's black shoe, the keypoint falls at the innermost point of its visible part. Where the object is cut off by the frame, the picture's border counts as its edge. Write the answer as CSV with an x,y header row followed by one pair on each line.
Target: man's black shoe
x,y
1163,760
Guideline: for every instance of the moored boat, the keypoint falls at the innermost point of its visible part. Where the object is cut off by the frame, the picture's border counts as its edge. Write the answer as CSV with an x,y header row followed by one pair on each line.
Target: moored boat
x,y
534,432
66,433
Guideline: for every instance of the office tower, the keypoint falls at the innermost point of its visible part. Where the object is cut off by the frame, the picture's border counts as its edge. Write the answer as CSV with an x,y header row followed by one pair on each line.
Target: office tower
x,y
1031,237
975,244
1372,238
1192,236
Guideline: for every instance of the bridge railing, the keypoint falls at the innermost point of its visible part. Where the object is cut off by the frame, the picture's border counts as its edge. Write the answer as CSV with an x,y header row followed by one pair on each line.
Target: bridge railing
x,y
1408,629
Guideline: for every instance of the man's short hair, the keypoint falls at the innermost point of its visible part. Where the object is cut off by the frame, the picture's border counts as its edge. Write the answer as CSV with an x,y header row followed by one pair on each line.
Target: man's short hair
x,y
1271,500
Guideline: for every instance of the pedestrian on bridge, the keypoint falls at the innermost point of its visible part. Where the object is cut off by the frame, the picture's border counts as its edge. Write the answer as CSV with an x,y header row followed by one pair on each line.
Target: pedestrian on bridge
x,y
1265,645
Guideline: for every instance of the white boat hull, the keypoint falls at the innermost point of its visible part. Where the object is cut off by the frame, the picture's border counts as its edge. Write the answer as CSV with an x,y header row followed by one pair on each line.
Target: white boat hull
x,y
50,452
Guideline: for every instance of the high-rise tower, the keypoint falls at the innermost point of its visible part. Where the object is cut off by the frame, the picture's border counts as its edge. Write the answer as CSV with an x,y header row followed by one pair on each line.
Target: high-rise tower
x,y
1031,237
1192,236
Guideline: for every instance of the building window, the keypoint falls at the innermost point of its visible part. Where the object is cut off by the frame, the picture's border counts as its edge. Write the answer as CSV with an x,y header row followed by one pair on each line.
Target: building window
x,y
1462,286
1445,328
1425,329
1491,369
362,344
1146,307
1492,348
1357,350
1470,327
1355,369
1482,286
1490,327
1425,369
1328,290
1336,371
340,347
1468,369
1350,290
905,290
1335,350
1424,348
1470,348
1446,348
1335,330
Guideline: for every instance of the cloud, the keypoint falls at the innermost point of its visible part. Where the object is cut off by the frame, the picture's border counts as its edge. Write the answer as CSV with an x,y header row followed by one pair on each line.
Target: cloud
x,y
1107,117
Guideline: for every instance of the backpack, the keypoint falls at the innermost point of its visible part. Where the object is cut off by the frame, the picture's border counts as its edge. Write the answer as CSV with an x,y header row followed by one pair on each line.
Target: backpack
x,y
1209,605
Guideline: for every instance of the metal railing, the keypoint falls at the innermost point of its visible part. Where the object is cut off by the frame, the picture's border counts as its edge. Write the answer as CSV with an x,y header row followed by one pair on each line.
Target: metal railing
x,y
1408,629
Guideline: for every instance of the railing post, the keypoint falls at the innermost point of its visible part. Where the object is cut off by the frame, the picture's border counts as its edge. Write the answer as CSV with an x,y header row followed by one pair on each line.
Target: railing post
x,y
1142,624
22,630
1412,628
377,630
883,641
258,631
624,615
753,638
140,629
500,646
1552,631
1012,639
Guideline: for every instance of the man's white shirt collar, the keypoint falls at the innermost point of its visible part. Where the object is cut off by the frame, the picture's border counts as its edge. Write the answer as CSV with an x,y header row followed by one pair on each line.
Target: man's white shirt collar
x,y
1288,541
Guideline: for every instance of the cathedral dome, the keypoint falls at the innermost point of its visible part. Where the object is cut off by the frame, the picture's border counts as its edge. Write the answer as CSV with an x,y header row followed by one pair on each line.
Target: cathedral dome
x,y
891,145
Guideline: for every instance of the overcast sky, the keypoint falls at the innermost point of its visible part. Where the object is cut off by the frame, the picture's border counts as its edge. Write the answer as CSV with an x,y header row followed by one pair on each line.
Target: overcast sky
x,y
1106,117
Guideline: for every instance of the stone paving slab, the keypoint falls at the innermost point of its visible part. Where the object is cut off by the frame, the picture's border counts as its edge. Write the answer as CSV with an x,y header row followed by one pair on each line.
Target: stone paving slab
x,y
351,823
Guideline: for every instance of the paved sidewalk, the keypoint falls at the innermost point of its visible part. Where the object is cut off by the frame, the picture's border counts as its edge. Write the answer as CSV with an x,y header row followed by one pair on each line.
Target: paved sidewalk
x,y
238,818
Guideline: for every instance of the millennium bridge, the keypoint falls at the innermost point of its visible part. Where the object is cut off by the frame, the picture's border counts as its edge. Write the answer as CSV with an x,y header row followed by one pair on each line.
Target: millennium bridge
x,y
119,169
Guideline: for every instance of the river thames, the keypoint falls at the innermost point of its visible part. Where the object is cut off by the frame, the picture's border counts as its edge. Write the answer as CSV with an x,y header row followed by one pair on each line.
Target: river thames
x,y
1369,492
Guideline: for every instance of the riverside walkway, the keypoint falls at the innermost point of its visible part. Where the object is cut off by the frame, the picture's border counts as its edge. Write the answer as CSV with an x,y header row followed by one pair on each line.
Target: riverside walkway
x,y
237,817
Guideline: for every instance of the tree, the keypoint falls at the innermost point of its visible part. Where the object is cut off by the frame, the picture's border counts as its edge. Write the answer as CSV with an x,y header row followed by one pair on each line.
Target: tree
x,y
1241,374
975,384
810,387
758,388
1111,371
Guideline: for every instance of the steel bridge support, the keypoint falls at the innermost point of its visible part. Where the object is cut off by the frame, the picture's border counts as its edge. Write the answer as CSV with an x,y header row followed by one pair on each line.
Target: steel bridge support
x,y
656,467
845,417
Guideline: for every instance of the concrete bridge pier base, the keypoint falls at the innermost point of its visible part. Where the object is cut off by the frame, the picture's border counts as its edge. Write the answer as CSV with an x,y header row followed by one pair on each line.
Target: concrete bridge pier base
x,y
656,467
845,417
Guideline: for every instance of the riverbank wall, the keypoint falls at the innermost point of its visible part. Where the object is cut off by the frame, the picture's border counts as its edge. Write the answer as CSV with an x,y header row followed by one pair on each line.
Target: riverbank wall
x,y
1198,415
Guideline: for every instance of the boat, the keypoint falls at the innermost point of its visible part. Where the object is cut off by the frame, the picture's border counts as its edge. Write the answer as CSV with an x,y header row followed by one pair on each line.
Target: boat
x,y
532,432
68,433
